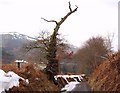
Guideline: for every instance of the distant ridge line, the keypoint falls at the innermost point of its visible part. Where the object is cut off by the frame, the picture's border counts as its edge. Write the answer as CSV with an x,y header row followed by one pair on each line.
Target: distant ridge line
x,y
19,34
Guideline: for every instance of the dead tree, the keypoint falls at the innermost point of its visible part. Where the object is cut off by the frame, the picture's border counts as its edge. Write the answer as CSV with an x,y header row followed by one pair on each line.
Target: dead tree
x,y
52,67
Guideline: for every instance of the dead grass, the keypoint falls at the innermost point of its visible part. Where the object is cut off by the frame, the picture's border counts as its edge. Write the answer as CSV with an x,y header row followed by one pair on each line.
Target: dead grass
x,y
106,76
37,80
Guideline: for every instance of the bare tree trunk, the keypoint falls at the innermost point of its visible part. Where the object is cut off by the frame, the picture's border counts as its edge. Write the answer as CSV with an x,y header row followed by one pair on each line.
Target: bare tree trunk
x,y
52,68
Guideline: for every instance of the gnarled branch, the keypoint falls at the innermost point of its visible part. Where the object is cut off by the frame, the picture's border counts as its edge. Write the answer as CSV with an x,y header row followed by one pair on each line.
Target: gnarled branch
x,y
49,20
68,14
62,19
70,6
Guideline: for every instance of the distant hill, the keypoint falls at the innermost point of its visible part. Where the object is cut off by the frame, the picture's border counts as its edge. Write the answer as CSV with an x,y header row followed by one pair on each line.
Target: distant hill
x,y
11,44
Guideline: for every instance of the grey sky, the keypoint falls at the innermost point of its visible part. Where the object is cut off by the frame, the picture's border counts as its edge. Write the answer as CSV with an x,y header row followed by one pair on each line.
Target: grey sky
x,y
94,17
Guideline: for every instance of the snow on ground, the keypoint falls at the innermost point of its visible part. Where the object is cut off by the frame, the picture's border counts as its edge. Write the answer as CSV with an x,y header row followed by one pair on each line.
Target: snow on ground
x,y
70,76
9,80
70,86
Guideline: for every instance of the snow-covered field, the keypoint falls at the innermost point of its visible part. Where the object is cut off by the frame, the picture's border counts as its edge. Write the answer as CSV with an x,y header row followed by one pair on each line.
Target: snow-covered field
x,y
9,80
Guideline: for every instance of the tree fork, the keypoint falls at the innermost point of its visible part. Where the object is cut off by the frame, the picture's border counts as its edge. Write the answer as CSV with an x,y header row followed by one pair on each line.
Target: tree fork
x,y
52,68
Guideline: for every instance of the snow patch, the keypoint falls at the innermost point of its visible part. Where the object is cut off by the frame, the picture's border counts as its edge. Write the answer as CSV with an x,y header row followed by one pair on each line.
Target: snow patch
x,y
75,77
70,86
9,80
20,61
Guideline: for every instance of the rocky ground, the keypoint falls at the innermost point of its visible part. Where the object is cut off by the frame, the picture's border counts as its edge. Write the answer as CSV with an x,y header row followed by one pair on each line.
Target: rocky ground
x,y
107,76
38,81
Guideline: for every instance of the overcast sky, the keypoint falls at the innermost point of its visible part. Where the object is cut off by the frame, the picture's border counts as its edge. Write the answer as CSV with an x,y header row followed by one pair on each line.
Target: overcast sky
x,y
94,17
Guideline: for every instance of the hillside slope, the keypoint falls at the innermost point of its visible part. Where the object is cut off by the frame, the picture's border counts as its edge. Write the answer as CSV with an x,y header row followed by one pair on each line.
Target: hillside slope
x,y
11,46
38,81
107,76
